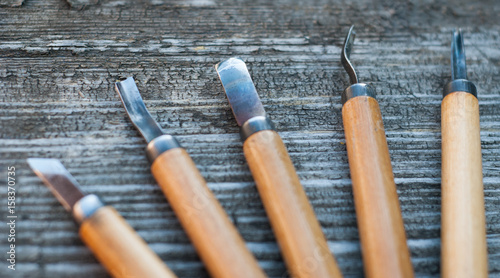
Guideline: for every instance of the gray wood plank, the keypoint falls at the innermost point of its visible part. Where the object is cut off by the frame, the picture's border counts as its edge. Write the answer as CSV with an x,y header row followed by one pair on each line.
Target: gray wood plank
x,y
11,3
57,68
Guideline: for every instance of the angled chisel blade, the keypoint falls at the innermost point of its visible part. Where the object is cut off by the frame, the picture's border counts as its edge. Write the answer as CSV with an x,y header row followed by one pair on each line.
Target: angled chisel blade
x,y
240,90
116,245
136,110
58,180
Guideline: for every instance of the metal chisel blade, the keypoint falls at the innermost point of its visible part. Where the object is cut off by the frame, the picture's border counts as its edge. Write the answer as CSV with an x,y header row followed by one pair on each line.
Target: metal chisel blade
x,y
136,110
58,180
240,90
458,66
346,56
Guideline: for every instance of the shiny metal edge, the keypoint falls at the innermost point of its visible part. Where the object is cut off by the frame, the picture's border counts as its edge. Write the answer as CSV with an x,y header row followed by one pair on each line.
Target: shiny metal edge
x,y
254,125
86,207
358,89
160,145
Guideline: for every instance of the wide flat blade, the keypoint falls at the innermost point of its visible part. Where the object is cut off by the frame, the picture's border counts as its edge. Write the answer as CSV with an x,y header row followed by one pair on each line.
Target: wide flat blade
x,y
240,90
136,110
58,180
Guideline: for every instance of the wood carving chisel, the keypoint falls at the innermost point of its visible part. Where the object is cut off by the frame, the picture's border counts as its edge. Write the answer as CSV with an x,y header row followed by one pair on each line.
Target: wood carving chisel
x,y
292,218
463,227
214,236
115,244
381,230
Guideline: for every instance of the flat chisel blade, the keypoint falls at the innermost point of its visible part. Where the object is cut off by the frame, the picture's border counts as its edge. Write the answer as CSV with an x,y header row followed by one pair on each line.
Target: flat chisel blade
x,y
58,180
240,90
136,110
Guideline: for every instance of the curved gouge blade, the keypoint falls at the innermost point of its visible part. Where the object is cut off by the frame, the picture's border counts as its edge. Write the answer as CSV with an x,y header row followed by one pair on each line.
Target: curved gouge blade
x,y
214,236
378,213
459,82
458,66
240,90
346,55
58,180
136,110
464,249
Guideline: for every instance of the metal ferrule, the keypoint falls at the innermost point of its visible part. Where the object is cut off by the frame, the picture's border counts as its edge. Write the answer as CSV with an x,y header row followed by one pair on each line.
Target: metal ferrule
x,y
160,145
86,207
460,85
356,90
254,125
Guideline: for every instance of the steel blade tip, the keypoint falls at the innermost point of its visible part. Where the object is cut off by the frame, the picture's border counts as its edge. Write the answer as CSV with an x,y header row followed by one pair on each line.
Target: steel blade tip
x,y
240,90
458,65
60,182
136,109
345,57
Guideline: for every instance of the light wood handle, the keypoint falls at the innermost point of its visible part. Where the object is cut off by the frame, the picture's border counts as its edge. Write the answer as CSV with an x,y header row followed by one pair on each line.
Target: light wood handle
x,y
381,230
463,231
217,241
119,248
295,226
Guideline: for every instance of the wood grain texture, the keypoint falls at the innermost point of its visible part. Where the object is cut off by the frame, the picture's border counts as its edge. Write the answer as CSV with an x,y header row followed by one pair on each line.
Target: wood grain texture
x,y
217,241
380,224
11,3
463,233
57,71
81,4
302,243
118,247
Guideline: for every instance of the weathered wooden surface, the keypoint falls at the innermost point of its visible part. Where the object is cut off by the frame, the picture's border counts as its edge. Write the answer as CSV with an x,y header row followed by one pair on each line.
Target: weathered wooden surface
x,y
58,65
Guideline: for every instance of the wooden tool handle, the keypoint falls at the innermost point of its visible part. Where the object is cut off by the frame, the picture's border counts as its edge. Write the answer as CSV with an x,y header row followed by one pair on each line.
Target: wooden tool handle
x,y
380,224
299,234
463,232
217,241
119,248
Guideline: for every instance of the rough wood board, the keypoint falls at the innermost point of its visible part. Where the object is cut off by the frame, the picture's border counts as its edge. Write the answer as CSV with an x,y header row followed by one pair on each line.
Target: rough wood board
x,y
11,3
58,65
